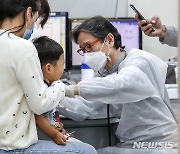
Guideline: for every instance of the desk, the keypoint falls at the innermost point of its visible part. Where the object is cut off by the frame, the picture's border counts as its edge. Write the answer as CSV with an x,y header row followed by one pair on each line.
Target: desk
x,y
94,132
175,106
172,90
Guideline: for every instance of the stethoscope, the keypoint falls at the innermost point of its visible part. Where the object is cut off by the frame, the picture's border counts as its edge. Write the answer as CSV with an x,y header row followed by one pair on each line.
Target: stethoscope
x,y
108,105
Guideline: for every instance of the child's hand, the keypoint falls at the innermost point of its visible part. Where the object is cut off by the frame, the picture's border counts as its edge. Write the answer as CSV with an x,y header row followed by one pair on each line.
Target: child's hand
x,y
61,129
59,138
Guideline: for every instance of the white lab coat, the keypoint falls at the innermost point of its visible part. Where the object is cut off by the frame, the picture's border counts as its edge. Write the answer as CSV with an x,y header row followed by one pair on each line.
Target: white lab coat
x,y
79,109
139,85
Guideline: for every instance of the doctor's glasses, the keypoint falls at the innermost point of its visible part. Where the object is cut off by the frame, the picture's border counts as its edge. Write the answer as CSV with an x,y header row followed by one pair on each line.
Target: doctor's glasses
x,y
87,47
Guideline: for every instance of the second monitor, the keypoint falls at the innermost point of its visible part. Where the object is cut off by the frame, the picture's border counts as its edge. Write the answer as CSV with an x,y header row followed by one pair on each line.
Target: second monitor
x,y
56,28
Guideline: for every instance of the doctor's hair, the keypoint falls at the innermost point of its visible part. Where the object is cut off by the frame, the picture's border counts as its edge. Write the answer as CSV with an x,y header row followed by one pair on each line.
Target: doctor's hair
x,y
99,27
12,8
48,50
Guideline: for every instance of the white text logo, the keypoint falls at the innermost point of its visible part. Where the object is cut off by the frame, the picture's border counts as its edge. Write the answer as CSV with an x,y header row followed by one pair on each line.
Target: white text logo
x,y
153,145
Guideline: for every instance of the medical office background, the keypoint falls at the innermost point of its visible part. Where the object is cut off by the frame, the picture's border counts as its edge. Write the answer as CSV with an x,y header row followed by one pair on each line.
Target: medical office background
x,y
167,11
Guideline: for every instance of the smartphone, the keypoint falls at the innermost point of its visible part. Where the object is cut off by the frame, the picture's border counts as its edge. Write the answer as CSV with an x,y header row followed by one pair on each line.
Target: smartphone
x,y
140,15
136,11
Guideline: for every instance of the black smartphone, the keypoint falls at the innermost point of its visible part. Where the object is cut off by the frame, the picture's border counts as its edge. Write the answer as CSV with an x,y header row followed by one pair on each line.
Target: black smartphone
x,y
136,11
139,14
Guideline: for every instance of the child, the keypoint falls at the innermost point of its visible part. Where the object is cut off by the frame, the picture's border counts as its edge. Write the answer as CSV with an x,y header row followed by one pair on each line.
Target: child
x,y
52,64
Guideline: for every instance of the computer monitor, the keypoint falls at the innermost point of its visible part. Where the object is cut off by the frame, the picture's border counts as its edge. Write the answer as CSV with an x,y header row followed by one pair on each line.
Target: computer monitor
x,y
76,58
131,36
56,28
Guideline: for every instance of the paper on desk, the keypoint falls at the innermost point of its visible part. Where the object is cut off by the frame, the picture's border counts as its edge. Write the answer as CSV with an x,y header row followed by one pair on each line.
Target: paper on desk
x,y
171,86
172,90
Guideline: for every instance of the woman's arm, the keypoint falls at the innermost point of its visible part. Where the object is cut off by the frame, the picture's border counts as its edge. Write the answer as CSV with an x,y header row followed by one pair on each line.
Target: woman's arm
x,y
39,96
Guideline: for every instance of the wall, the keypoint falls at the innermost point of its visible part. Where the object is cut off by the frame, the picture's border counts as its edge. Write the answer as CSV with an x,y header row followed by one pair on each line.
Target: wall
x,y
167,10
89,8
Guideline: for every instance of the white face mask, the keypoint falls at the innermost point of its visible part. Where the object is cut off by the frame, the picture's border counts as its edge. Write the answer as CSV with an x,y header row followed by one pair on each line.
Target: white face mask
x,y
96,60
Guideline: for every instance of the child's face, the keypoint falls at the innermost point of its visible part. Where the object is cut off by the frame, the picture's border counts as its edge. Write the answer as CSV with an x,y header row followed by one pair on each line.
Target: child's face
x,y
54,72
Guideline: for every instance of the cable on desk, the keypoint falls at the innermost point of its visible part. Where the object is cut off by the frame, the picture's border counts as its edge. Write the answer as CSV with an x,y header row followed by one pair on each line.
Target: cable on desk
x,y
109,126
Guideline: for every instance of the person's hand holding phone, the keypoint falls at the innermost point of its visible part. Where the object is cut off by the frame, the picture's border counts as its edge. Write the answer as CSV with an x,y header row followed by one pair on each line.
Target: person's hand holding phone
x,y
155,23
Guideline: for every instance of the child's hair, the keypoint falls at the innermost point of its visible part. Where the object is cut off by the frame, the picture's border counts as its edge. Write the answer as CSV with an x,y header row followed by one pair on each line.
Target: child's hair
x,y
49,50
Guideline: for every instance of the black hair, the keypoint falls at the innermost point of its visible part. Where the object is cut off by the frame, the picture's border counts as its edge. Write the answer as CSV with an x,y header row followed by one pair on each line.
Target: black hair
x,y
99,27
44,12
11,8
49,50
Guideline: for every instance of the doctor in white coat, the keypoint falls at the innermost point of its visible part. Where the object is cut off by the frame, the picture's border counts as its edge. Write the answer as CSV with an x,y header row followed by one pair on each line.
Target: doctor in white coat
x,y
135,79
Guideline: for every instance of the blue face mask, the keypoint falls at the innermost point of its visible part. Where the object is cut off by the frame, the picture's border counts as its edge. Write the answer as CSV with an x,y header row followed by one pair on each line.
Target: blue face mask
x,y
28,33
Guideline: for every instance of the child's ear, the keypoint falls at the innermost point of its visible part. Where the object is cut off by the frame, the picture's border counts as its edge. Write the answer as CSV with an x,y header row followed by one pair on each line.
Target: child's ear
x,y
48,67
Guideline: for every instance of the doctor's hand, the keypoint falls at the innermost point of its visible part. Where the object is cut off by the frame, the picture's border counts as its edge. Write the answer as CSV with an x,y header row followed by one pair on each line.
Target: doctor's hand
x,y
155,22
71,90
